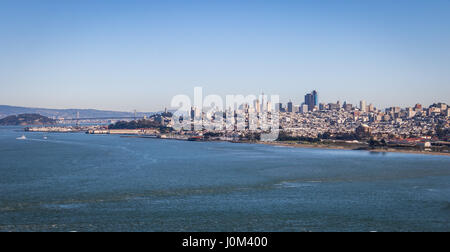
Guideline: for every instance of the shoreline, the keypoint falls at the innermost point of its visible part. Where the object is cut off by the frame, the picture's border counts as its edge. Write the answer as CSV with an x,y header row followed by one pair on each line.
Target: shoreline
x,y
326,146
348,148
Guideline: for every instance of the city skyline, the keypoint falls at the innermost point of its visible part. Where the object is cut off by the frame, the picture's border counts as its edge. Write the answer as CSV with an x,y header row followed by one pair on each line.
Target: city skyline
x,y
224,116
127,55
295,102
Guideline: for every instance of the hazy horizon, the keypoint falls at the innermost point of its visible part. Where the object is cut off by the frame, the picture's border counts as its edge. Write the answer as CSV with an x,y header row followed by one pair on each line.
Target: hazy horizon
x,y
127,55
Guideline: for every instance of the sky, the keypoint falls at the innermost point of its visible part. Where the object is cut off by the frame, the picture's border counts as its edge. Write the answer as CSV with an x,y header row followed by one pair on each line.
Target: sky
x,y
127,55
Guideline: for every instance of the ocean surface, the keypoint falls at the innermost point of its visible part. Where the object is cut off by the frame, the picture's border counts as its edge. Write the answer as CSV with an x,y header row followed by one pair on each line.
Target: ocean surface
x,y
79,182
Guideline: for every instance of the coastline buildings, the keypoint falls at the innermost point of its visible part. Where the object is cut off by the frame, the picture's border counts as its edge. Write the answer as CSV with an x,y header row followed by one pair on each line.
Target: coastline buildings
x,y
334,121
393,123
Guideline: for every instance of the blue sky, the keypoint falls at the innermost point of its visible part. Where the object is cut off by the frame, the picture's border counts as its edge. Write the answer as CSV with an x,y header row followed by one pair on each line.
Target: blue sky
x,y
126,55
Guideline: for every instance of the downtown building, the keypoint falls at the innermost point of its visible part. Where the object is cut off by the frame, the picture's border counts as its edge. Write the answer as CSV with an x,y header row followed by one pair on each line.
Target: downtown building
x,y
312,100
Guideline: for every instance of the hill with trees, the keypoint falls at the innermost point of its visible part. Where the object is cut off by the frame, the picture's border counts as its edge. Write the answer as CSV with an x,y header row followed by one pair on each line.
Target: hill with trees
x,y
26,119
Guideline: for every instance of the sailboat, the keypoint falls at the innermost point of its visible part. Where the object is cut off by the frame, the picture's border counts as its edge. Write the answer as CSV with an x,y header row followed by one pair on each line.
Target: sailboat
x,y
23,137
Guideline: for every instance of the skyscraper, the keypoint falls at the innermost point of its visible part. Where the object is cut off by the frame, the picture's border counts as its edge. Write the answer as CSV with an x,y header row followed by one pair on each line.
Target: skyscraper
x,y
363,106
290,107
257,106
312,100
315,98
269,106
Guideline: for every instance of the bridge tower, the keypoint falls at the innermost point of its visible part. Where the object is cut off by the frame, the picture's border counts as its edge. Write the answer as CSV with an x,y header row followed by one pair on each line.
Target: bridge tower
x,y
78,118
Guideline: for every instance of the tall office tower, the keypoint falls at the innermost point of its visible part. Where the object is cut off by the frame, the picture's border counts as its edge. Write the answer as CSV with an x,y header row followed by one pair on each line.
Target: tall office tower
x,y
363,106
290,107
312,100
315,98
257,106
371,108
263,104
269,106
308,99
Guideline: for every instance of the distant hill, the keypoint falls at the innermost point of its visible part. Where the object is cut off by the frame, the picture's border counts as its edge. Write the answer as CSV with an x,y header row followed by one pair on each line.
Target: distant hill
x,y
65,113
26,119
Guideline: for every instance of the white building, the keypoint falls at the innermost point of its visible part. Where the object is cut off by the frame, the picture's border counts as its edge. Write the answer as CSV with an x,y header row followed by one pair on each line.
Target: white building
x,y
304,108
363,106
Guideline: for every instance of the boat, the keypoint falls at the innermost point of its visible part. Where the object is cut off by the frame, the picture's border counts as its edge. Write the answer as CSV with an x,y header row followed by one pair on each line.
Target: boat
x,y
45,138
196,138
23,137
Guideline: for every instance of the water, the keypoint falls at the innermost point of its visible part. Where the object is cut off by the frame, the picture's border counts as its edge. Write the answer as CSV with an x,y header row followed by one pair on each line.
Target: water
x,y
78,182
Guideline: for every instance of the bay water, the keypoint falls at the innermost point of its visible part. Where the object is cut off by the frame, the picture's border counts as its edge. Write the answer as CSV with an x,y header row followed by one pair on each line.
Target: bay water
x,y
80,182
